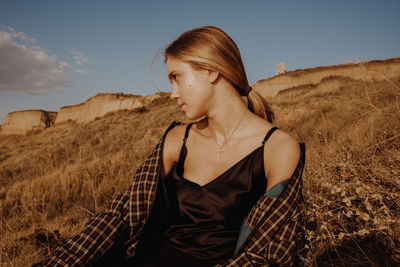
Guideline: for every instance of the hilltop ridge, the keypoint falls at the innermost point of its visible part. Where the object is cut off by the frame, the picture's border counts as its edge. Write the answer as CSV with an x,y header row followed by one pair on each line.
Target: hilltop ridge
x,y
21,122
376,70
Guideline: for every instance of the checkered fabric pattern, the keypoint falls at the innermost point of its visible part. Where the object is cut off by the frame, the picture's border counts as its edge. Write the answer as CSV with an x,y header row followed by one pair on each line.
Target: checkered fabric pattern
x,y
274,222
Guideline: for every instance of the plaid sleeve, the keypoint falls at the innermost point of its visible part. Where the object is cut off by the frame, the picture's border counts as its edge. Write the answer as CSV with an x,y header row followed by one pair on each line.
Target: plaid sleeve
x,y
98,236
280,250
119,228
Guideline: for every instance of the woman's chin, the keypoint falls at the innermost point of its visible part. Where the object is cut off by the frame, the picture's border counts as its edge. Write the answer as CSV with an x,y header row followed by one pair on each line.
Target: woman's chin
x,y
192,117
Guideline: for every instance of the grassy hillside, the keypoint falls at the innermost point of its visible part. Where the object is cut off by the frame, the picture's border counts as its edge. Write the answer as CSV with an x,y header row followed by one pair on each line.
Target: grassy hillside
x,y
53,181
351,182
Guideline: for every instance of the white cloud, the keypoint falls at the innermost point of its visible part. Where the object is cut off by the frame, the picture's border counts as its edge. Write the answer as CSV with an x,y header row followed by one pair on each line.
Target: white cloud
x,y
19,35
27,67
80,60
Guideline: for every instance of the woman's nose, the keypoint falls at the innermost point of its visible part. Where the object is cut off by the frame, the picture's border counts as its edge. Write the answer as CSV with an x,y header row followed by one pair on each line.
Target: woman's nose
x,y
174,94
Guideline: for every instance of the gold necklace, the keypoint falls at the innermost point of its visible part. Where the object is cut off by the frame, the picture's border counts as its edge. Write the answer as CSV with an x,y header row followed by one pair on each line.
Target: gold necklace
x,y
219,148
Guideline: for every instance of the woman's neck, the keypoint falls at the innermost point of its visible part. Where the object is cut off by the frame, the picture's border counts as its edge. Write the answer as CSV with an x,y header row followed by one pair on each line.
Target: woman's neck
x,y
226,115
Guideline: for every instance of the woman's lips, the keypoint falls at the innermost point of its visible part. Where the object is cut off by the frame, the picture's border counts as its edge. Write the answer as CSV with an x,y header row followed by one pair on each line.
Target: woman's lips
x,y
180,105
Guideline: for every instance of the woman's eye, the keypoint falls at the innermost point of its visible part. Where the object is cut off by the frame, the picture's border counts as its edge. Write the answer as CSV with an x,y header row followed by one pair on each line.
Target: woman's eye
x,y
174,77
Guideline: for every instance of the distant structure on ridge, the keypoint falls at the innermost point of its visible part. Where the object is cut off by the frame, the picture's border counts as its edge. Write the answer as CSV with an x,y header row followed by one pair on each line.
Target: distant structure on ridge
x,y
281,68
373,70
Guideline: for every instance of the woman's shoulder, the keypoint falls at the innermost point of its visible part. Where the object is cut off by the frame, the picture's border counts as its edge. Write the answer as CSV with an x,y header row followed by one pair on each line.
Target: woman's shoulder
x,y
174,137
281,139
177,132
281,156
172,145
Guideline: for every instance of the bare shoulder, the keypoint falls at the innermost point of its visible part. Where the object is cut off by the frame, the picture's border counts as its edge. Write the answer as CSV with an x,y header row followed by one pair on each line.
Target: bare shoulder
x,y
173,140
281,156
175,134
172,145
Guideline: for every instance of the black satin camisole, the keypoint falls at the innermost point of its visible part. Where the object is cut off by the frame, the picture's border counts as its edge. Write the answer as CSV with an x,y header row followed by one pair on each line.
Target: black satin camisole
x,y
206,219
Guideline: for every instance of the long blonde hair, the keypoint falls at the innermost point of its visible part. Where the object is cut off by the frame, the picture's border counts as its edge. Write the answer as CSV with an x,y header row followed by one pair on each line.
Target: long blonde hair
x,y
211,48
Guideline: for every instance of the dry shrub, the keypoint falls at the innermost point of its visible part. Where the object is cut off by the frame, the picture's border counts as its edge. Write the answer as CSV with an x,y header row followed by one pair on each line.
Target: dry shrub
x,y
53,181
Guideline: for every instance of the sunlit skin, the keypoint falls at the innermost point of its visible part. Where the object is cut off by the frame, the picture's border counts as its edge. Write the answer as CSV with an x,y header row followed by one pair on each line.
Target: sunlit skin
x,y
192,88
206,96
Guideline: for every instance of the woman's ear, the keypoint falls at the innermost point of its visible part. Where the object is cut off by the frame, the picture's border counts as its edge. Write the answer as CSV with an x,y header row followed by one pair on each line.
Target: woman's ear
x,y
213,76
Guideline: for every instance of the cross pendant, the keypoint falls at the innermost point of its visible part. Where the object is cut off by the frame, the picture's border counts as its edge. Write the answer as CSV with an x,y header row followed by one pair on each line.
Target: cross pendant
x,y
220,150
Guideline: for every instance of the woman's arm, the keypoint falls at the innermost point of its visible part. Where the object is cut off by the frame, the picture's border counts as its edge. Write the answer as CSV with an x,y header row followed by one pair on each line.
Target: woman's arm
x,y
281,155
106,233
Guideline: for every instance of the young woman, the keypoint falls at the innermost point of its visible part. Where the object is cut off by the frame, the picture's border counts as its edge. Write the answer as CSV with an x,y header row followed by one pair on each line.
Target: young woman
x,y
224,190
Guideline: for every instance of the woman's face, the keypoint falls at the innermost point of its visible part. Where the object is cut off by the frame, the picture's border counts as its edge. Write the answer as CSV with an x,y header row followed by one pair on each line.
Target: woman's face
x,y
191,88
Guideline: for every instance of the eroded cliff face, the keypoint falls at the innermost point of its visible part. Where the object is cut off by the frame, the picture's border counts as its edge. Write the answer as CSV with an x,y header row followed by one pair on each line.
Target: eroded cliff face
x,y
21,122
372,70
101,104
98,106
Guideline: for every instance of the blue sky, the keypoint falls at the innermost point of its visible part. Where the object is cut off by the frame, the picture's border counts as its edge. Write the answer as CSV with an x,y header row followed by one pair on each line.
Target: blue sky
x,y
57,53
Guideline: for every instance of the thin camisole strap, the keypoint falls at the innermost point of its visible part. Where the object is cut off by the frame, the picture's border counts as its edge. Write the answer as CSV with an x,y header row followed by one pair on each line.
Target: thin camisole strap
x,y
270,132
181,156
187,132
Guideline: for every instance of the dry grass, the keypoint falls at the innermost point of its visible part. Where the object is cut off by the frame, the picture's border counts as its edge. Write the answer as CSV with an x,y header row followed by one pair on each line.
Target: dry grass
x,y
351,181
53,181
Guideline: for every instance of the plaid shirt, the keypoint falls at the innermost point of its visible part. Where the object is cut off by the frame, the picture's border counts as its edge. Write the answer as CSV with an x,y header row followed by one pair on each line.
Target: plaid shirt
x,y
270,230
